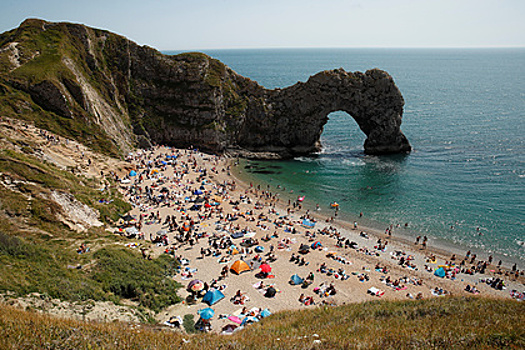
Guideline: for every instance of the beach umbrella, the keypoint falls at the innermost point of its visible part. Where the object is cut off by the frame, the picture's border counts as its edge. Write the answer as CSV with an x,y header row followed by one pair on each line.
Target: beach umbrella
x,y
265,268
207,205
206,313
163,163
259,249
196,285
132,173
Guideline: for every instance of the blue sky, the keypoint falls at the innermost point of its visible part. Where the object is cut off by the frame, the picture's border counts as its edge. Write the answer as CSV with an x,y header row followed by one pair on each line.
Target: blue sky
x,y
207,24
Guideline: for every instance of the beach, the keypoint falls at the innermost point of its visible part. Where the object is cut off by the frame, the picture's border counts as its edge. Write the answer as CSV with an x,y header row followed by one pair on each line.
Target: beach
x,y
349,263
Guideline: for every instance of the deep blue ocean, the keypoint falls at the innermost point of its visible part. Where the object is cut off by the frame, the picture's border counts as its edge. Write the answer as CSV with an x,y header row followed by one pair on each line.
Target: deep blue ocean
x,y
464,183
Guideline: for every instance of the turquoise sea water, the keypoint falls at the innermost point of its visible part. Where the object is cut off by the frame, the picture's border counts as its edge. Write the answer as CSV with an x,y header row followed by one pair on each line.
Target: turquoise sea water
x,y
465,118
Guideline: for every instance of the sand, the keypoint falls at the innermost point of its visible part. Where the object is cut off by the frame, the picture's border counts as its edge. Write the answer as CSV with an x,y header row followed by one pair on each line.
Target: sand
x,y
351,290
354,261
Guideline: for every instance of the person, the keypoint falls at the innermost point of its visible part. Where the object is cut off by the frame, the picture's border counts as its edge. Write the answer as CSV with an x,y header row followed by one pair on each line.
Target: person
x,y
301,298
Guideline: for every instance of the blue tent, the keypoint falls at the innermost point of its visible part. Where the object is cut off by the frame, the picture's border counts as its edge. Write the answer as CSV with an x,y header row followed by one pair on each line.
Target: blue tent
x,y
206,313
213,296
132,173
440,272
197,192
259,249
295,280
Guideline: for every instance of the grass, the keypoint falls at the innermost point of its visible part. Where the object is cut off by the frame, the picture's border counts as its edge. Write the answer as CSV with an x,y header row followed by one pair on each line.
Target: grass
x,y
36,248
443,323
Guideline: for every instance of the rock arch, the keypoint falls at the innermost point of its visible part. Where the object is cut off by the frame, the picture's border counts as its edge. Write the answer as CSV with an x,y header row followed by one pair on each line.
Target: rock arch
x,y
294,117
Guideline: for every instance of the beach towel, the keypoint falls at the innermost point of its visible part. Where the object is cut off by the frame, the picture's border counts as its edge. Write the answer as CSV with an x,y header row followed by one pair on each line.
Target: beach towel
x,y
376,292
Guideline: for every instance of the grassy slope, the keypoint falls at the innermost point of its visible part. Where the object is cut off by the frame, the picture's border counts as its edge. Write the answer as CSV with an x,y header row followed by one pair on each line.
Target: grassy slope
x,y
445,323
52,45
36,248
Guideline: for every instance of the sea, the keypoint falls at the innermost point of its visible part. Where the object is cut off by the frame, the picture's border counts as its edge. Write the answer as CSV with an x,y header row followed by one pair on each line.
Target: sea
x,y
463,185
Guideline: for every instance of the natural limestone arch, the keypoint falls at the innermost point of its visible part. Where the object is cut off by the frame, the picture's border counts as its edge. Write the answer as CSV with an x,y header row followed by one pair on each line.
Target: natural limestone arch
x,y
294,117
142,97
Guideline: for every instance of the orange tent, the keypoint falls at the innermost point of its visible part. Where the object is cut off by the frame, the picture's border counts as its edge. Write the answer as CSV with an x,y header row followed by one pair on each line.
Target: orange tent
x,y
239,267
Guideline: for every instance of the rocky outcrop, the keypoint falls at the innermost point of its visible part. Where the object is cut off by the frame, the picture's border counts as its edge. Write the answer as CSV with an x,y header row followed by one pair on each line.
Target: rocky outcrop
x,y
192,99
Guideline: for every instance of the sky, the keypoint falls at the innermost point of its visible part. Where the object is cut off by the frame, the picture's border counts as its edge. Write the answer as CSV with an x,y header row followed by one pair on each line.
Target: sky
x,y
227,24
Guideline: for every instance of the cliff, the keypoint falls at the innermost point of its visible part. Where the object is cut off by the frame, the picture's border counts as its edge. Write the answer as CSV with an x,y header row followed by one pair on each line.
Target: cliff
x,y
112,94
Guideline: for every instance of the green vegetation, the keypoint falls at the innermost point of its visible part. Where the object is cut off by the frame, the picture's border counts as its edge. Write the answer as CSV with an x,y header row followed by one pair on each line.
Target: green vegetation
x,y
189,324
444,323
38,252
147,281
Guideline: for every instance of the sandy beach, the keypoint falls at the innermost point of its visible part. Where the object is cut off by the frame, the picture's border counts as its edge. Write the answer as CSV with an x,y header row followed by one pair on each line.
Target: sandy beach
x,y
206,205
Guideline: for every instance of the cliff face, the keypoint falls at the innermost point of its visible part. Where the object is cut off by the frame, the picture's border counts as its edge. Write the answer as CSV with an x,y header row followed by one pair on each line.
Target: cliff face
x,y
108,91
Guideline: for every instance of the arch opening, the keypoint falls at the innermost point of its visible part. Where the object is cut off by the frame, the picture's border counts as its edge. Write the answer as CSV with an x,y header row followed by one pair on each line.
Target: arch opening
x,y
341,135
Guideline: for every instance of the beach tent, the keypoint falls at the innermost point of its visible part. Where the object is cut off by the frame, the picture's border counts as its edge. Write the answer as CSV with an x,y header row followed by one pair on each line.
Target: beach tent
x,y
206,313
308,223
132,173
316,245
233,250
440,272
270,292
239,267
213,296
259,249
197,192
295,280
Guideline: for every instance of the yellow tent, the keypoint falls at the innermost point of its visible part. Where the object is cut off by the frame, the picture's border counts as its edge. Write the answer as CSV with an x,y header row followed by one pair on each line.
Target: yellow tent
x,y
239,267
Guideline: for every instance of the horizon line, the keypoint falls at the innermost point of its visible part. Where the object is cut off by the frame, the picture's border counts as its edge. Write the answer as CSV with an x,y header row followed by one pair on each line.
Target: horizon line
x,y
346,47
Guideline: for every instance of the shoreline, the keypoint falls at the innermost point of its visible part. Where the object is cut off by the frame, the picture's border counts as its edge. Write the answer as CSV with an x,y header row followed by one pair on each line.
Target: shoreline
x,y
256,206
443,247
